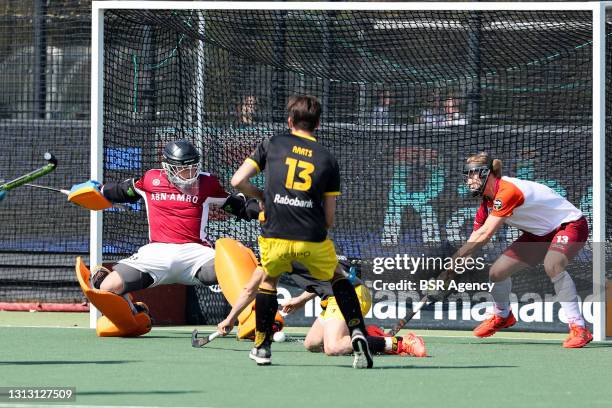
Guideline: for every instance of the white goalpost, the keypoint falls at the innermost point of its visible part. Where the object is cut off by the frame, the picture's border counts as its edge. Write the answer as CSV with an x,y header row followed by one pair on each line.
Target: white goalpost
x,y
599,168
97,129
597,9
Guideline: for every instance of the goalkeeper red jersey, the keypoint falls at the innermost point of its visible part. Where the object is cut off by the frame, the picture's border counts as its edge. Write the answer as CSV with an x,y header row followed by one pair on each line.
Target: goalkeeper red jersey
x,y
175,217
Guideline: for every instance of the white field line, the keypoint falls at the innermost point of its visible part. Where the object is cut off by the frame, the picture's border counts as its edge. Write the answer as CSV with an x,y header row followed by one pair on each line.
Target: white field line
x,y
51,404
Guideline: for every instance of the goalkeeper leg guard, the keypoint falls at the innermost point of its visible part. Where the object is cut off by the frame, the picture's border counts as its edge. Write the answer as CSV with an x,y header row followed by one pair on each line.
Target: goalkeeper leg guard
x,y
234,265
118,319
106,328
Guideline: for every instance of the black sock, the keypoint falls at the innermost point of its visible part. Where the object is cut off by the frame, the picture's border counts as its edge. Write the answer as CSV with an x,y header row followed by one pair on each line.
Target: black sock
x,y
266,306
347,301
376,344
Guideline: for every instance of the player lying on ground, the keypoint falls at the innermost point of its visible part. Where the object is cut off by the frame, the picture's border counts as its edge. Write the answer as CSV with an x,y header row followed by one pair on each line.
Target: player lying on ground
x,y
177,197
329,333
553,229
302,180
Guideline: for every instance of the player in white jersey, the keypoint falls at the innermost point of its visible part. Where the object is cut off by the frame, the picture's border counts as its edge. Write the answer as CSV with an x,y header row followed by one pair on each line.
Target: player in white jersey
x,y
554,228
177,198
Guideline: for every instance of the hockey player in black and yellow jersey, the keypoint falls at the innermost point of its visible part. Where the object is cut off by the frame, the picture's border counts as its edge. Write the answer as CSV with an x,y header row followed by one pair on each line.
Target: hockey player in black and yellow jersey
x,y
302,181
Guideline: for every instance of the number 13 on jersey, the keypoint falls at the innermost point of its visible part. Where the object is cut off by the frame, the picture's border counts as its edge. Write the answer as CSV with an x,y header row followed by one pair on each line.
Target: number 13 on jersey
x,y
304,181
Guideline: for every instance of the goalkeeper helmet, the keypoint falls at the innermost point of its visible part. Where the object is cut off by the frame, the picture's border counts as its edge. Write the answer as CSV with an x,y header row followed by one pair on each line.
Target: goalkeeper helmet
x,y
476,174
182,165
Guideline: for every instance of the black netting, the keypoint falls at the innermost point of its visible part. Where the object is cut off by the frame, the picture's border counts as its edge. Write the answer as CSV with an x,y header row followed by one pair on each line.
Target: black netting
x,y
44,106
206,305
406,97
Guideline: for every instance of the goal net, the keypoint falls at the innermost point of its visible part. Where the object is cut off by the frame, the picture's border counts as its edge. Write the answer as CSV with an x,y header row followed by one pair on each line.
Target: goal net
x,y
407,96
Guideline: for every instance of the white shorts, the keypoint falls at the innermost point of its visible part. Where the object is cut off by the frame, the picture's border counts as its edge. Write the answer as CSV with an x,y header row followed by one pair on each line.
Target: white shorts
x,y
171,263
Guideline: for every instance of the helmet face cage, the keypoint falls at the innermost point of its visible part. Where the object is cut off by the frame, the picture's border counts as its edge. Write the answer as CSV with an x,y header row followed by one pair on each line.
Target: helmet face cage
x,y
483,172
182,165
183,177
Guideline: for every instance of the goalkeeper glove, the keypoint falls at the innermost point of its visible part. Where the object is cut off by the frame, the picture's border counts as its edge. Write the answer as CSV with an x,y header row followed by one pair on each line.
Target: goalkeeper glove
x,y
235,204
89,195
252,209
89,184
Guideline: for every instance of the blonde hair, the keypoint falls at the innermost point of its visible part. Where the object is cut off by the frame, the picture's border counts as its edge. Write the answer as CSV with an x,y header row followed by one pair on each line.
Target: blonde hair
x,y
484,159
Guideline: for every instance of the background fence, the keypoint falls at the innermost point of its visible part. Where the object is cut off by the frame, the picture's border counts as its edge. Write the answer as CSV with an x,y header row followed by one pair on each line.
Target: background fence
x,y
44,106
406,97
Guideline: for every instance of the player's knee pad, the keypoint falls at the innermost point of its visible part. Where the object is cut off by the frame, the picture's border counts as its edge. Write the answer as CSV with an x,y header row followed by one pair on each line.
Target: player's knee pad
x,y
119,319
132,278
206,275
98,274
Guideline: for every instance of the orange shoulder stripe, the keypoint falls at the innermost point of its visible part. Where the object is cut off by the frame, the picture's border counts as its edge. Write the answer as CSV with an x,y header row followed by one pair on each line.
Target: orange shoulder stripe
x,y
507,198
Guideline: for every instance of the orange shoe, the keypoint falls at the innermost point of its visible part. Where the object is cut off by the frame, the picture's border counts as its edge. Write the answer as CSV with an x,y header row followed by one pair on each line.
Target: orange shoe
x,y
493,324
409,345
578,337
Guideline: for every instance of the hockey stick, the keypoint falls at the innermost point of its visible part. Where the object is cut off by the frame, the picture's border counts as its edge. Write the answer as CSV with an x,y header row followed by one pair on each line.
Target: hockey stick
x,y
430,296
33,175
202,341
402,322
67,193
58,190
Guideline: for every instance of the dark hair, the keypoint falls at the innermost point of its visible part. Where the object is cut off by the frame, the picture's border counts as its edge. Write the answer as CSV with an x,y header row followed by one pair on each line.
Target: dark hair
x,y
304,111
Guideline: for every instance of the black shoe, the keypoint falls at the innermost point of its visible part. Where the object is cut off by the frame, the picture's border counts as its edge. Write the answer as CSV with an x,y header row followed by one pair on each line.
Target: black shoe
x,y
361,351
262,355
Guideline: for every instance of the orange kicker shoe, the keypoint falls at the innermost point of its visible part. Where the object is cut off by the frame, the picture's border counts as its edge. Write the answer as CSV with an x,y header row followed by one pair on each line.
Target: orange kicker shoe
x,y
579,336
493,324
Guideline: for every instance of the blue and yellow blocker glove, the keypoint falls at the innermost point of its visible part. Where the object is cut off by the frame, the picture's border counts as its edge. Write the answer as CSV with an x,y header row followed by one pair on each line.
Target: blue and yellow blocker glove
x,y
89,195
